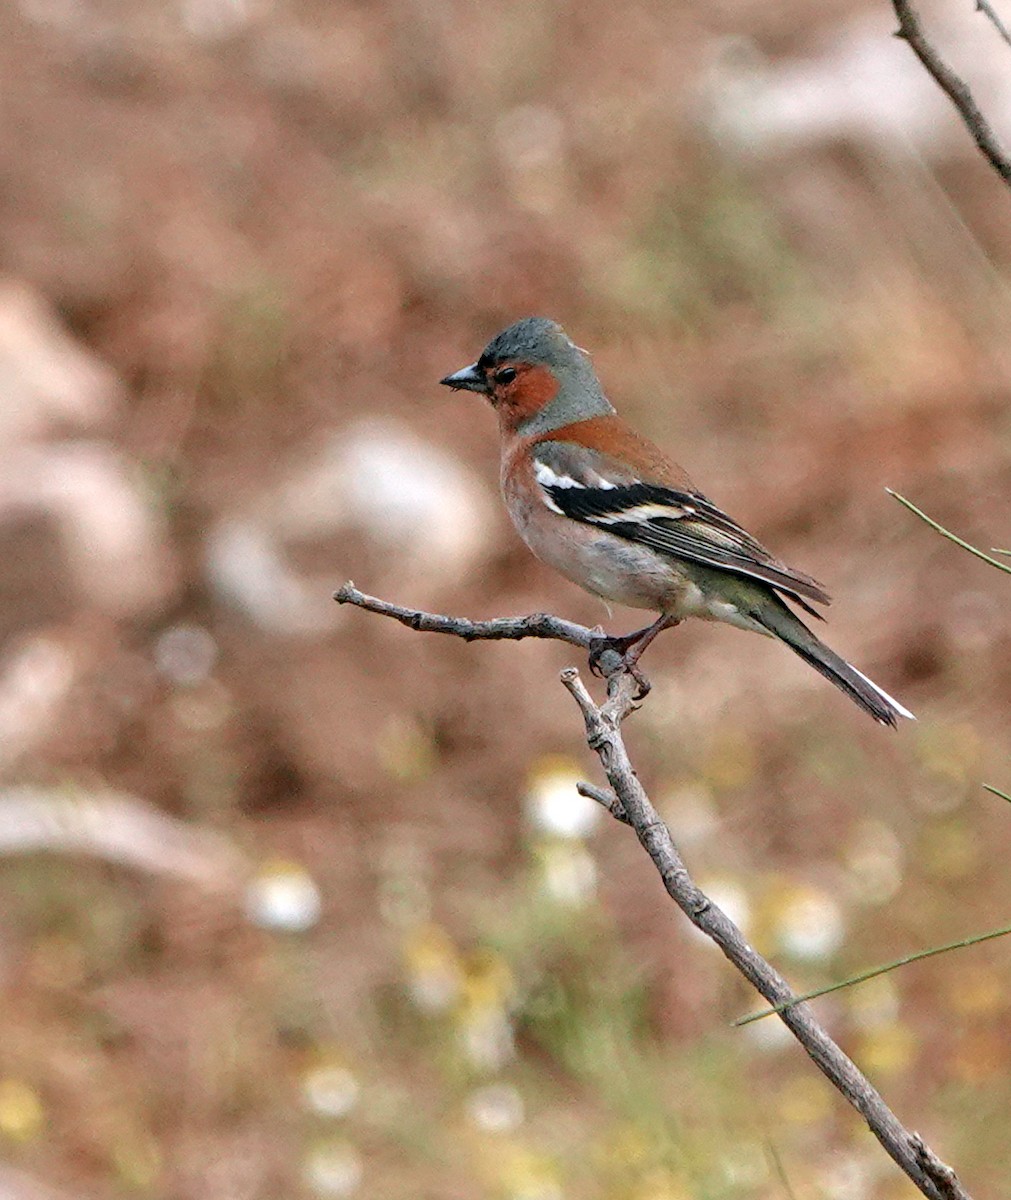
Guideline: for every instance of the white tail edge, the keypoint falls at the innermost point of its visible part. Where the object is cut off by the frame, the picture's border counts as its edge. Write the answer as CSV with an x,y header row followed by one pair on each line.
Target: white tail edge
x,y
899,708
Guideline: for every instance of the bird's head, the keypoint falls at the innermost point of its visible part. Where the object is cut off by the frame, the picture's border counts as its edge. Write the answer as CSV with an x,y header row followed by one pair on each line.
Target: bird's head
x,y
536,378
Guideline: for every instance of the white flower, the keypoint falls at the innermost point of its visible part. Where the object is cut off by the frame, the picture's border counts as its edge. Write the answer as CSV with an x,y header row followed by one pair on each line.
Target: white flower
x,y
553,804
330,1090
284,897
496,1108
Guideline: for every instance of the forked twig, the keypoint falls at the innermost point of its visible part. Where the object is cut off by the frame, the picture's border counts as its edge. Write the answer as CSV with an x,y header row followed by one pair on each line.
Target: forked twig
x,y
628,802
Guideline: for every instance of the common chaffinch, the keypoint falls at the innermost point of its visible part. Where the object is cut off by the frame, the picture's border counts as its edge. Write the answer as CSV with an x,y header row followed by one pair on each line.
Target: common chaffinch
x,y
612,513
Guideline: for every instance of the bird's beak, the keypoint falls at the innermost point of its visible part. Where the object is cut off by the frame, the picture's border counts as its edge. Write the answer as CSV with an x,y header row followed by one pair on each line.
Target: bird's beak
x,y
470,379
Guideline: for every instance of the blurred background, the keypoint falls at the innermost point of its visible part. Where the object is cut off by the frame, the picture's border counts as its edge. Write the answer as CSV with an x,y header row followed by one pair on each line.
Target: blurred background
x,y
298,902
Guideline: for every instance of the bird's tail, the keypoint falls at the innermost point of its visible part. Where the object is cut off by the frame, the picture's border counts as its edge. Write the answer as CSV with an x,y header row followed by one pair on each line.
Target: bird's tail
x,y
785,625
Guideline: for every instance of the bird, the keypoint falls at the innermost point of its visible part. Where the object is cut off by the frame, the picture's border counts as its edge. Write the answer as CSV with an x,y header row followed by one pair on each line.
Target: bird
x,y
612,513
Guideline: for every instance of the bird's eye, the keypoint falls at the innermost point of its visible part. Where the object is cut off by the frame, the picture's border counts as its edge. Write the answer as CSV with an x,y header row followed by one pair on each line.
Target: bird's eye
x,y
506,375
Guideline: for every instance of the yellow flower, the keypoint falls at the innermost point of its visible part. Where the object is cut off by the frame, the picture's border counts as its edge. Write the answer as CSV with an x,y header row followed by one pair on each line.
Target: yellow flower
x,y
138,1161
976,990
405,751
949,850
887,1050
21,1113
805,1100
434,970
730,762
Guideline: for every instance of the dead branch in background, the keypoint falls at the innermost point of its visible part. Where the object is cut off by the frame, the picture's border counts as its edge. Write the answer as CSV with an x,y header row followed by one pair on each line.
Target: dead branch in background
x,y
988,11
953,86
628,802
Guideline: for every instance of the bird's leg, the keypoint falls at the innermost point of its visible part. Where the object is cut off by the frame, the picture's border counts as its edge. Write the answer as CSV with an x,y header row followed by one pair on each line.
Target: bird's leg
x,y
630,647
634,651
632,655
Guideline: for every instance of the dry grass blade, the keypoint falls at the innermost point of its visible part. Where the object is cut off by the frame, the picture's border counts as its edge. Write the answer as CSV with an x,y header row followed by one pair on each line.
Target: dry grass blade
x,y
952,537
874,972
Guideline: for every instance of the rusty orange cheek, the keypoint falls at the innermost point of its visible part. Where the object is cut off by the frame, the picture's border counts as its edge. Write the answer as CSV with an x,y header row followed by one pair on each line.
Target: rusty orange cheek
x,y
531,390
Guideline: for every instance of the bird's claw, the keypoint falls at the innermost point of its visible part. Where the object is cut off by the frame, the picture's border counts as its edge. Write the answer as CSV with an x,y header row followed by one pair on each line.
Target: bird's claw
x,y
642,684
598,648
621,647
601,645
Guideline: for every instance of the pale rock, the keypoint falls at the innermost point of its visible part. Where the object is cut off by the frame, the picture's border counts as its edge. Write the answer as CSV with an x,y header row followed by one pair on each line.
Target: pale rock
x,y
115,541
52,386
861,85
35,679
47,379
416,503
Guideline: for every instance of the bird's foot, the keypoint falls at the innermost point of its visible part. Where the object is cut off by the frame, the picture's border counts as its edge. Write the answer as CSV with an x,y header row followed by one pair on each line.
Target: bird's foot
x,y
620,646
625,653
628,649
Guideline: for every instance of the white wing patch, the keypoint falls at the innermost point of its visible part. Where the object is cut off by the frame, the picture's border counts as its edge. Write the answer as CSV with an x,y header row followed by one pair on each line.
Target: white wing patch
x,y
548,478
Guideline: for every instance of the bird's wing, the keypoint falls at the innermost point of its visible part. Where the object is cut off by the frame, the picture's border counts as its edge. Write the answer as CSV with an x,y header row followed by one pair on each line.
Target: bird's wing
x,y
586,486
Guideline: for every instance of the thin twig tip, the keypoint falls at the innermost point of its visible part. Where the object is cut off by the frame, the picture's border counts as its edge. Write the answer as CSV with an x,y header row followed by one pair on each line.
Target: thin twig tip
x,y
343,593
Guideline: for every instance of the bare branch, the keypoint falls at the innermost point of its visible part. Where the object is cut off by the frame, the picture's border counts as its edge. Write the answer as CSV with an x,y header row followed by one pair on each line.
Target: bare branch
x,y
991,15
603,735
954,87
514,629
938,1172
627,801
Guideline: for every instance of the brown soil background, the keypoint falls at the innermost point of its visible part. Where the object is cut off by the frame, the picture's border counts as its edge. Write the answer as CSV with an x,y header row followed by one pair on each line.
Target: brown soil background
x,y
273,221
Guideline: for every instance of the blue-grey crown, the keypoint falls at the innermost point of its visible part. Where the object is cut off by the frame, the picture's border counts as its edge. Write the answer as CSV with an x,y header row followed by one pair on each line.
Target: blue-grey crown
x,y
533,340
